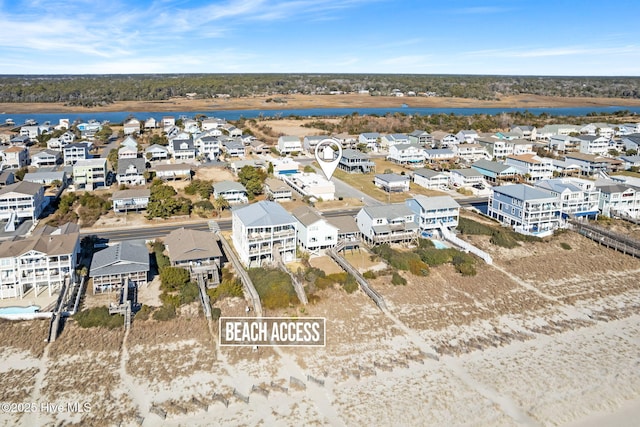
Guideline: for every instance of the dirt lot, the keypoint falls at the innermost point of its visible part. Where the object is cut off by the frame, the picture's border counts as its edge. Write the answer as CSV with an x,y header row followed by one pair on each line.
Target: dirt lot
x,y
364,182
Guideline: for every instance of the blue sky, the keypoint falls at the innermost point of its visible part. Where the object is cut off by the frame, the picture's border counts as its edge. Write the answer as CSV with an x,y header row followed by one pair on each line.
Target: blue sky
x,y
320,36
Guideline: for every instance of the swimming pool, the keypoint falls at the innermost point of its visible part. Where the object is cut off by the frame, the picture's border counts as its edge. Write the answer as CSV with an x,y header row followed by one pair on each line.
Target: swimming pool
x,y
20,310
438,244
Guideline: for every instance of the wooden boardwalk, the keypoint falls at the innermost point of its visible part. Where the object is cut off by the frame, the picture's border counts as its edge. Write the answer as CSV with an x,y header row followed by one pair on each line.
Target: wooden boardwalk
x,y
608,238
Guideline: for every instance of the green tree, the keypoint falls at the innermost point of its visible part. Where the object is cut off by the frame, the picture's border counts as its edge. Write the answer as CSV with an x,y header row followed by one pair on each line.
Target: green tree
x,y
204,188
173,278
104,134
20,173
220,204
164,204
252,179
112,157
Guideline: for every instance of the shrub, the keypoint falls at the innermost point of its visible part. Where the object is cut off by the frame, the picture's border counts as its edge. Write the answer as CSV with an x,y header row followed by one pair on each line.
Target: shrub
x,y
565,246
350,285
166,312
173,278
144,312
98,317
369,274
503,239
311,274
274,287
161,259
469,226
323,282
229,288
434,257
216,313
189,293
418,268
466,269
170,299
397,279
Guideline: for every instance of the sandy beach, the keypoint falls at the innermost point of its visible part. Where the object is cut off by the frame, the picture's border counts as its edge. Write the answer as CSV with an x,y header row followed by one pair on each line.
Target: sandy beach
x,y
518,344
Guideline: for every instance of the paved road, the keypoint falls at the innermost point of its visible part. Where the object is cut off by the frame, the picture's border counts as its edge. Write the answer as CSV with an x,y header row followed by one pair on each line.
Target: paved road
x,y
148,233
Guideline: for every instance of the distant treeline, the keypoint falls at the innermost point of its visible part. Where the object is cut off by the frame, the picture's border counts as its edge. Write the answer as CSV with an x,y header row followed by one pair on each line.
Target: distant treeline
x,y
91,90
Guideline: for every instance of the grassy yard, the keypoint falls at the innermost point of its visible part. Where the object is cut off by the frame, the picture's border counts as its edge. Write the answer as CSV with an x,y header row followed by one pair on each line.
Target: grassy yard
x,y
364,183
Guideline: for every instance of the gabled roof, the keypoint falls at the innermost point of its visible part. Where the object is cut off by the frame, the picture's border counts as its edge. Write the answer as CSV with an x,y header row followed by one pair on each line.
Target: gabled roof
x,y
227,186
126,149
370,135
276,185
138,163
407,146
46,153
467,173
90,162
130,256
419,133
436,202
441,151
22,187
389,211
264,213
345,224
522,192
558,186
15,149
427,173
173,167
392,177
176,143
44,176
495,167
306,215
350,153
129,141
44,242
131,193
156,147
73,145
184,244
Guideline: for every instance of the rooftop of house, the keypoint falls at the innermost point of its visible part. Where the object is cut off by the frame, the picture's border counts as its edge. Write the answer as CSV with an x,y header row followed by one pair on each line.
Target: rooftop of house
x,y
263,214
45,242
522,192
131,193
228,186
392,177
306,215
427,173
22,187
129,256
436,202
184,244
389,211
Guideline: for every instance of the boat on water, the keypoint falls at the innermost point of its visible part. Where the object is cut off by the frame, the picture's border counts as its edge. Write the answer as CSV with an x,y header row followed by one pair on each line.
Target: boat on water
x,y
30,122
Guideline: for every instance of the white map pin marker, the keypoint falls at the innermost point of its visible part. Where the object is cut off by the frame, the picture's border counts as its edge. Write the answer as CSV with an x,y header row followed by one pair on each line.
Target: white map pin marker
x,y
328,155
